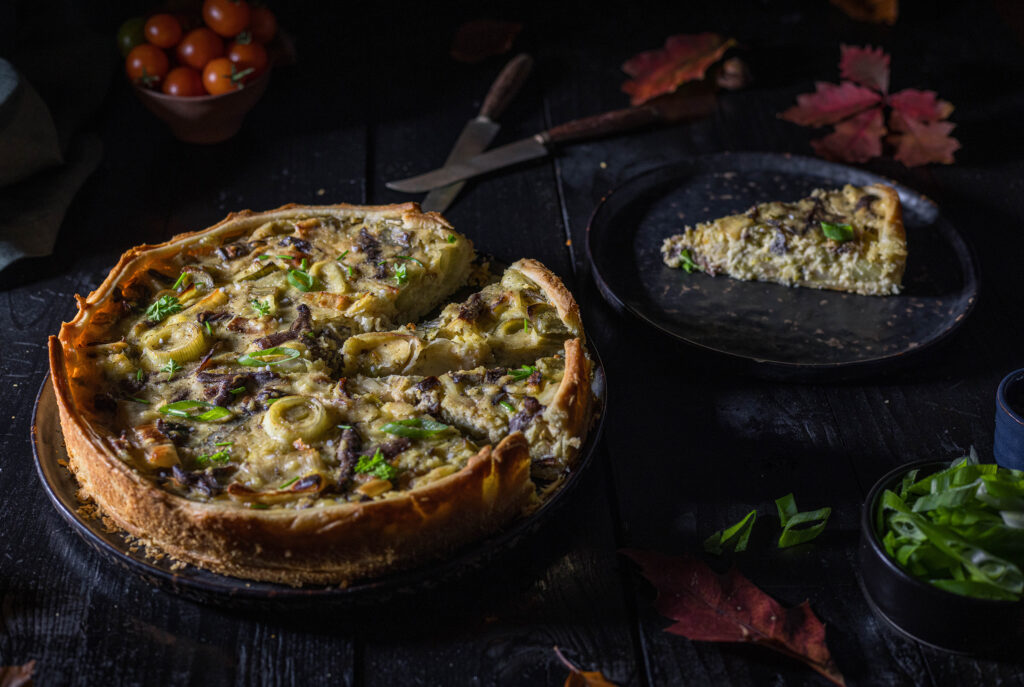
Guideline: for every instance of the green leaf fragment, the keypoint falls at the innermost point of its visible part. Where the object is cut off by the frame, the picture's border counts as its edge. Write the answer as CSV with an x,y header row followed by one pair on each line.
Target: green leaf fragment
x,y
837,232
686,262
415,428
376,466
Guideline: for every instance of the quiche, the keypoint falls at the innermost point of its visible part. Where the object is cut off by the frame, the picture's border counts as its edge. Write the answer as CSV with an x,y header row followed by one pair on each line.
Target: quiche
x,y
264,399
850,239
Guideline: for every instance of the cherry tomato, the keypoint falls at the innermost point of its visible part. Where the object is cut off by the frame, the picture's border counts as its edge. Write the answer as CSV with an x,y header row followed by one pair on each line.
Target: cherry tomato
x,y
222,76
163,30
131,33
147,65
227,17
262,24
248,56
184,82
198,47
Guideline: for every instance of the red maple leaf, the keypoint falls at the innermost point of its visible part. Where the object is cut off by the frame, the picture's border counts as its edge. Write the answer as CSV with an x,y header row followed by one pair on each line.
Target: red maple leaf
x,y
710,607
857,139
867,66
830,104
685,57
857,109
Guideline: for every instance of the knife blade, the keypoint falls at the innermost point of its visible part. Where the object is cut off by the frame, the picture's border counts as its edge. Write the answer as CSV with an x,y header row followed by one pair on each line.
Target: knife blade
x,y
481,130
540,144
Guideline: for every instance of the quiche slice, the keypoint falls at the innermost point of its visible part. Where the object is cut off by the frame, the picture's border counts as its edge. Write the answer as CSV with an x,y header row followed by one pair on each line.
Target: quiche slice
x,y
205,408
850,239
526,314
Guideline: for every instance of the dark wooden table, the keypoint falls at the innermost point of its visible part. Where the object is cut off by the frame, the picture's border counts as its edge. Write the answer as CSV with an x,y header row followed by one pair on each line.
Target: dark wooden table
x,y
691,443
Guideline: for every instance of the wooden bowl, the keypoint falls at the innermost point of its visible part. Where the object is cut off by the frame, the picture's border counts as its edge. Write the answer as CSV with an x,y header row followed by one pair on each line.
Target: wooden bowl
x,y
207,118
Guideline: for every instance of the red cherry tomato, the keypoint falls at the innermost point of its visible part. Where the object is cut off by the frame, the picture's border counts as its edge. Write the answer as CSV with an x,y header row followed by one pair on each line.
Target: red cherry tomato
x,y
163,30
248,56
262,24
146,65
184,82
222,76
227,17
198,47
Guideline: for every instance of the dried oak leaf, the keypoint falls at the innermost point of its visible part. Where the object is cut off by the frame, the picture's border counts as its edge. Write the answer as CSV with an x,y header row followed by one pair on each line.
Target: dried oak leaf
x,y
17,676
830,104
582,678
685,57
857,139
874,11
710,607
479,39
867,66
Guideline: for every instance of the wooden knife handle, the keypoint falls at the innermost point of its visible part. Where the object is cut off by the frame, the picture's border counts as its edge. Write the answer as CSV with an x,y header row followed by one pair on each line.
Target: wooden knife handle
x,y
505,87
629,118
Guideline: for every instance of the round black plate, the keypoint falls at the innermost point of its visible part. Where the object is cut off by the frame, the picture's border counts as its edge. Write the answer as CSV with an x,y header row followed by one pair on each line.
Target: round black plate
x,y
779,330
208,587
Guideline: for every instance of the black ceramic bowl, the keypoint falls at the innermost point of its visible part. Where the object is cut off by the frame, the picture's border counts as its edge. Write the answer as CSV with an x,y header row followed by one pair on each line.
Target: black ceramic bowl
x,y
921,611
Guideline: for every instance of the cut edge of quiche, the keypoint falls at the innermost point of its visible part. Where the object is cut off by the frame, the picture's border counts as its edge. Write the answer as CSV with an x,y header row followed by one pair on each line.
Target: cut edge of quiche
x,y
850,239
331,544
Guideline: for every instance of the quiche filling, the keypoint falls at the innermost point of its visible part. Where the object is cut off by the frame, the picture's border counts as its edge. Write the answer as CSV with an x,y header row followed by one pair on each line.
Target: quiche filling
x,y
849,239
268,372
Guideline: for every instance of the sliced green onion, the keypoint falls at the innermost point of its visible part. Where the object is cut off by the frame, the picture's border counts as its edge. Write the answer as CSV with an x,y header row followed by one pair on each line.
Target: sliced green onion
x,y
734,538
209,329
303,281
415,428
411,259
237,390
507,406
139,375
225,443
289,483
186,409
342,256
138,400
523,372
792,519
218,457
181,280
686,262
259,358
451,238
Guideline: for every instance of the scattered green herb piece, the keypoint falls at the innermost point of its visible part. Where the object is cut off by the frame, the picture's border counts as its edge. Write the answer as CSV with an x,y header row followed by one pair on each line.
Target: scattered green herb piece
x,y
237,390
224,443
138,400
376,466
259,306
271,401
209,329
301,280
181,280
526,325
139,375
451,238
263,257
415,428
348,269
162,308
401,274
278,354
171,368
686,262
309,335
411,259
258,506
523,372
507,406
285,257
289,483
342,256
811,523
837,232
187,409
304,265
960,529
734,537
218,457
344,426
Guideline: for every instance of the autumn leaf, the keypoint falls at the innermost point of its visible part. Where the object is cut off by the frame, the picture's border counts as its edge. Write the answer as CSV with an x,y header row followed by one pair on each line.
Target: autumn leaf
x,y
17,676
875,11
710,607
479,39
685,57
858,139
924,142
923,105
582,678
830,104
867,66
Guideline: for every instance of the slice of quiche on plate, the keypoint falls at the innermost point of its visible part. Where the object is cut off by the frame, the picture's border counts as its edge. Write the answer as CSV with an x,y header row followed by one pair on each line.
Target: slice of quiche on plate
x,y
850,239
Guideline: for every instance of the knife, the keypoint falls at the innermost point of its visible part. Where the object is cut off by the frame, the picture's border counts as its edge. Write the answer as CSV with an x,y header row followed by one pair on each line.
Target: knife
x,y
480,131
539,145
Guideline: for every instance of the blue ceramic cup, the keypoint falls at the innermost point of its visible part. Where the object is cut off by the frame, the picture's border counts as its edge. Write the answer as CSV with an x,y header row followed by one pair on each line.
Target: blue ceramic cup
x,y
1009,437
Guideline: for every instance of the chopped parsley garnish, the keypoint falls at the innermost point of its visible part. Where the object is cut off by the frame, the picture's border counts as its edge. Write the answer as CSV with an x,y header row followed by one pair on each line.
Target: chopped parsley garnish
x,y
401,274
237,390
376,466
289,483
170,368
301,280
686,261
259,306
411,259
189,410
837,232
181,281
163,307
451,238
269,356
507,406
218,457
415,428
523,372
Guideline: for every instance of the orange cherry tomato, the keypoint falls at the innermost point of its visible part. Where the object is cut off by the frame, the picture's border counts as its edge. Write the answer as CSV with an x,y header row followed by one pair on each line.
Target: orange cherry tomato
x,y
184,82
262,24
222,76
249,56
146,65
163,30
227,17
198,47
